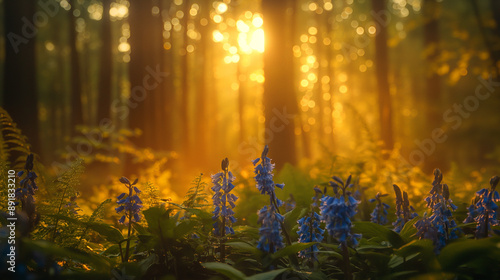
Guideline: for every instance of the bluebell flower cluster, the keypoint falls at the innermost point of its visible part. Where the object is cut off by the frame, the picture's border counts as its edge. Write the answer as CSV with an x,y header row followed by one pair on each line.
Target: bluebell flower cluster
x,y
223,200
310,231
440,226
484,211
264,176
404,211
338,210
269,216
270,232
28,186
379,214
129,203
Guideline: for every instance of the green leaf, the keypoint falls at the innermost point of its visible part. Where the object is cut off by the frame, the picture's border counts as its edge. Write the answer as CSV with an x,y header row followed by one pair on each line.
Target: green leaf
x,y
291,218
160,222
333,253
292,249
110,233
225,269
373,230
467,251
424,246
153,216
270,275
183,228
409,230
245,247
48,248
199,213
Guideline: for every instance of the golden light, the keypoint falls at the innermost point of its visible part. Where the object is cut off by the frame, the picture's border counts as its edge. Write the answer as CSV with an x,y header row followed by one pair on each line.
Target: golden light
x,y
221,8
312,30
123,47
217,36
342,77
233,50
343,89
328,6
372,30
118,11
257,42
242,42
95,11
312,6
217,18
242,26
49,46
311,59
235,58
257,21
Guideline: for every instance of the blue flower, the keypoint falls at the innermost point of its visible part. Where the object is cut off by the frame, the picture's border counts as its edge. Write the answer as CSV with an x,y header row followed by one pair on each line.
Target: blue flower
x,y
337,212
28,185
310,231
404,211
379,214
223,201
129,203
264,177
484,210
270,232
440,227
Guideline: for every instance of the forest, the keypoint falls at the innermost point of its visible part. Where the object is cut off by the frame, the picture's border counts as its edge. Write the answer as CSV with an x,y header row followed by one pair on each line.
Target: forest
x,y
249,139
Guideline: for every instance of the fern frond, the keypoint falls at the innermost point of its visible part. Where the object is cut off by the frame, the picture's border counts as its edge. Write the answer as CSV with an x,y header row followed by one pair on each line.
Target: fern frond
x,y
59,202
12,139
152,195
196,196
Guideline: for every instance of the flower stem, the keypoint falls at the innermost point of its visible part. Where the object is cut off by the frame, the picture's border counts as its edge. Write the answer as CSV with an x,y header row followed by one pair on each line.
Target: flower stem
x,y
129,227
223,230
347,262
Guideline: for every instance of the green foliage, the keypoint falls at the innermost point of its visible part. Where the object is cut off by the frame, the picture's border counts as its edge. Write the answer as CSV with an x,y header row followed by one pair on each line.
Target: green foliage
x,y
59,200
196,196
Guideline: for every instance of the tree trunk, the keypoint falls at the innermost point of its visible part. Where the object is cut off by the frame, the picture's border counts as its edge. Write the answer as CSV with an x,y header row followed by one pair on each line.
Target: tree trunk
x,y
106,68
185,129
382,72
431,10
202,99
280,104
76,83
20,90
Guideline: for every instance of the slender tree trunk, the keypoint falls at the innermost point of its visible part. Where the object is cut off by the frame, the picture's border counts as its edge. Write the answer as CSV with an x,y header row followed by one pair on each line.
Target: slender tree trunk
x,y
167,104
431,11
279,93
382,73
185,129
495,9
331,74
20,90
140,45
202,117
76,83
106,66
